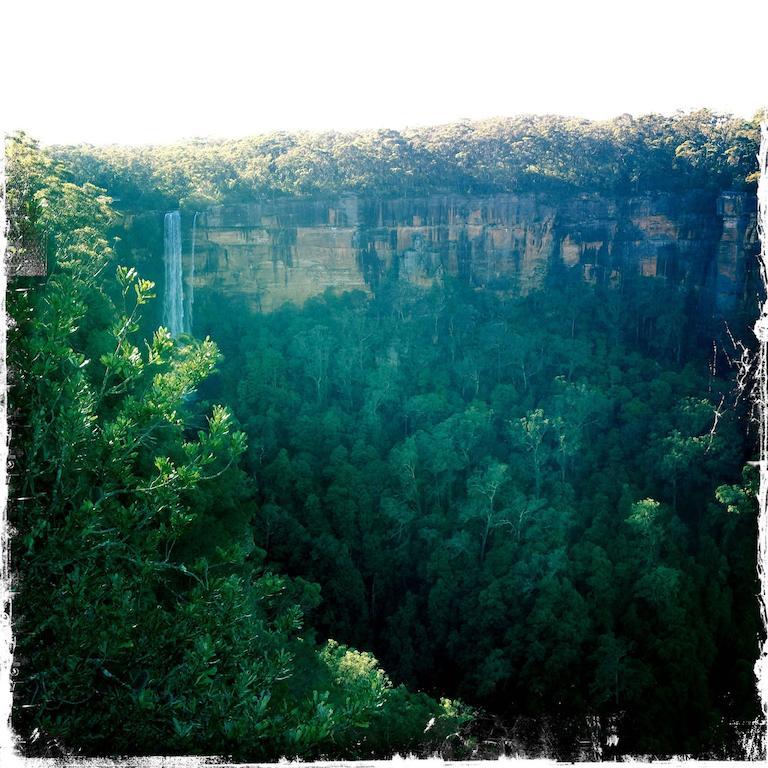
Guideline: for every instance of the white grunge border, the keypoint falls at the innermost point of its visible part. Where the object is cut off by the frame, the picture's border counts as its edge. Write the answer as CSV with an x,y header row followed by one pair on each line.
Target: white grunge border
x,y
761,398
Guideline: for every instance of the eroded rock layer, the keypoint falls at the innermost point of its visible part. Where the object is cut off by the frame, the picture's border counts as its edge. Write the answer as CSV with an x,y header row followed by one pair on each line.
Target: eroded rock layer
x,y
272,252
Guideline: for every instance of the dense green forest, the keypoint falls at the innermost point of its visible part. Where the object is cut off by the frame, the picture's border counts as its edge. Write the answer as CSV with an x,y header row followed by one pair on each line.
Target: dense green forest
x,y
531,513
147,618
699,150
508,502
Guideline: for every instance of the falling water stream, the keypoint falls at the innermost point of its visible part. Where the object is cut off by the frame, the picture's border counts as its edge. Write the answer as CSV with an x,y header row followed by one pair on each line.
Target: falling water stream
x,y
173,299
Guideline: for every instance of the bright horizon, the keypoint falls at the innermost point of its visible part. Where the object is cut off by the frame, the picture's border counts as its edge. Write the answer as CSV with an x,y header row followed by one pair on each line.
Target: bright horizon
x,y
161,72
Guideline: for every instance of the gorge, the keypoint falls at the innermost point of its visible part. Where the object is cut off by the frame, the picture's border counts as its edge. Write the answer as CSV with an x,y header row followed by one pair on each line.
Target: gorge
x,y
463,413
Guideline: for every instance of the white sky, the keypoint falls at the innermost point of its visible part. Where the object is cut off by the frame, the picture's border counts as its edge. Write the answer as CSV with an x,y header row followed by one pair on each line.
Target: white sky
x,y
139,71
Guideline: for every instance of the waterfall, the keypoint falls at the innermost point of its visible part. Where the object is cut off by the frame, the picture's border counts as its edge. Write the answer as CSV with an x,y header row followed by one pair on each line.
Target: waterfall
x,y
173,299
191,281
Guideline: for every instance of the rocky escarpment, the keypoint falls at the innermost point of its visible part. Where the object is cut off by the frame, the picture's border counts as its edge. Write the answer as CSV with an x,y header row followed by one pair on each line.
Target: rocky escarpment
x,y
272,252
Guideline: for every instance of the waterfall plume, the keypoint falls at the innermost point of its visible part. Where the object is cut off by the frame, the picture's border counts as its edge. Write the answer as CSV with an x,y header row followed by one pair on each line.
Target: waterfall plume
x,y
173,298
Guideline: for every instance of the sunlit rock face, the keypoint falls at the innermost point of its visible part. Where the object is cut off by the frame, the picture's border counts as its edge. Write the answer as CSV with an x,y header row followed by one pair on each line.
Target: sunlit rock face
x,y
276,253
268,253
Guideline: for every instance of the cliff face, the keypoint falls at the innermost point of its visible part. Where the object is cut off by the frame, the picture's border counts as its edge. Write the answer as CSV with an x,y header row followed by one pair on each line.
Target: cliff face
x,y
269,253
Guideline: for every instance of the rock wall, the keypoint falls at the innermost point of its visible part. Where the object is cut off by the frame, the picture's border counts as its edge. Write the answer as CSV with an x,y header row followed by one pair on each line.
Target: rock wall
x,y
272,252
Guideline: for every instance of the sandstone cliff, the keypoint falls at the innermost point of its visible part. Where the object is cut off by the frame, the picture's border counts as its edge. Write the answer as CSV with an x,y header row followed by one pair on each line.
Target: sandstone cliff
x,y
272,252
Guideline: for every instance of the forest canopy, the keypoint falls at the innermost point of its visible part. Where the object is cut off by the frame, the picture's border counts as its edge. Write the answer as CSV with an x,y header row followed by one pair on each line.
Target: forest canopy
x,y
530,153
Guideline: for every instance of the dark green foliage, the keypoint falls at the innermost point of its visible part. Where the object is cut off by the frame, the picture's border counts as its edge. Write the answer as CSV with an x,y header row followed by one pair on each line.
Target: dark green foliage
x,y
146,621
508,502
